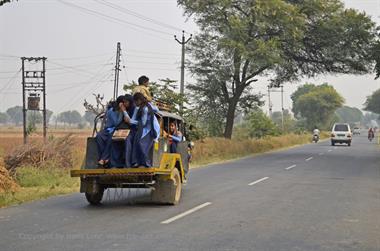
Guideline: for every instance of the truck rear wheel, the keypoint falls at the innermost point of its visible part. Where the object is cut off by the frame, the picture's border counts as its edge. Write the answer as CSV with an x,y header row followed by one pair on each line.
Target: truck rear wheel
x,y
95,198
168,191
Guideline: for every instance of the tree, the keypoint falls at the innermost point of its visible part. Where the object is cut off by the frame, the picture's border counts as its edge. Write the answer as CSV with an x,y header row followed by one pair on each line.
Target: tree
x,y
258,125
163,90
89,117
15,114
70,117
348,114
372,103
4,118
376,57
318,106
289,121
2,2
242,40
306,88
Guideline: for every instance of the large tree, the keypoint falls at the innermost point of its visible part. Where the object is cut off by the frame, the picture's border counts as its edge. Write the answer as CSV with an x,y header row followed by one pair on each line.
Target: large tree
x,y
240,41
318,106
372,103
15,114
4,118
70,117
348,114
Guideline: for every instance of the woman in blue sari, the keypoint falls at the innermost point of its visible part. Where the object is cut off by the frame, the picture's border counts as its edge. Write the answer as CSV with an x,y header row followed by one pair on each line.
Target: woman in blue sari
x,y
114,117
146,130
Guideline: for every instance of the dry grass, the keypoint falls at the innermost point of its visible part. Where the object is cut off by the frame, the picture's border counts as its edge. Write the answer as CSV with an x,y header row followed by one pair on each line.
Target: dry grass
x,y
37,177
36,182
219,149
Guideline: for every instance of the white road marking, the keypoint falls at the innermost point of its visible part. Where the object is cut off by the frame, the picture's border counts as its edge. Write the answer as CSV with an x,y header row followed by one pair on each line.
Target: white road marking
x,y
329,150
190,211
290,167
309,159
321,154
335,147
258,181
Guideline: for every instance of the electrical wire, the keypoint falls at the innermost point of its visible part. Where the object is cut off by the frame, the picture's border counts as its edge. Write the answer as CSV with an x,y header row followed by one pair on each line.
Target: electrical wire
x,y
138,15
107,17
10,80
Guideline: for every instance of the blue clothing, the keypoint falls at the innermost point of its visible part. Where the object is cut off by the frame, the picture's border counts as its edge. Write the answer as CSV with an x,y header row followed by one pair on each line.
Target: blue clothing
x,y
175,139
104,137
113,119
146,121
140,142
104,142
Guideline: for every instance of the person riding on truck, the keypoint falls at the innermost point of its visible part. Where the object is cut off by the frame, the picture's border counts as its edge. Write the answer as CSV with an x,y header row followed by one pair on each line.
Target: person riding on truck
x,y
143,88
139,144
174,136
114,117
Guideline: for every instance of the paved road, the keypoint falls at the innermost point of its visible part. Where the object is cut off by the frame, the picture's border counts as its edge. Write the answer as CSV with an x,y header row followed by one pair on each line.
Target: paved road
x,y
314,197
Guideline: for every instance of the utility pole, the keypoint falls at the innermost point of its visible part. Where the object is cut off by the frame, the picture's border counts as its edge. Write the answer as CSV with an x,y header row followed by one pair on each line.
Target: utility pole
x,y
33,85
282,104
269,102
117,70
282,107
183,43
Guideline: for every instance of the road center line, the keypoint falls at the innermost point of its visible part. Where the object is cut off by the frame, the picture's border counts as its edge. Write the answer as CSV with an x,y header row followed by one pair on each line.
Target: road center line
x,y
190,211
290,167
329,150
309,159
258,181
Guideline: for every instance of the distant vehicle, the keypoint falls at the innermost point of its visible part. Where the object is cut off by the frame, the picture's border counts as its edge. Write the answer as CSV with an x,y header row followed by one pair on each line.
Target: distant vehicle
x,y
356,131
341,133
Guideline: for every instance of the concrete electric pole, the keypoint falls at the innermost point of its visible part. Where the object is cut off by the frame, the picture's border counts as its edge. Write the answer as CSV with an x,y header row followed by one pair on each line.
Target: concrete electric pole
x,y
117,70
183,43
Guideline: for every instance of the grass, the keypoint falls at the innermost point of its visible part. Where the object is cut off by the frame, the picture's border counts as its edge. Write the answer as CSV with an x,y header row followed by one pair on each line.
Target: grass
x,y
39,183
219,149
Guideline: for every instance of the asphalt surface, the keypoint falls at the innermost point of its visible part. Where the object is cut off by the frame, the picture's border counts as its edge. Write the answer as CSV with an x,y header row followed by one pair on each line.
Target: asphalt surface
x,y
313,197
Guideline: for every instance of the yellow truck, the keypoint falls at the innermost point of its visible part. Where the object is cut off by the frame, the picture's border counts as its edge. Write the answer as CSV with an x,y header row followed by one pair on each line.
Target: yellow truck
x,y
164,178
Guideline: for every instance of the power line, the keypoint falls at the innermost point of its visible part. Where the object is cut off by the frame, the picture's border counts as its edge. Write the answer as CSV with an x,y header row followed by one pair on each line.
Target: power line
x,y
82,57
10,80
93,12
138,15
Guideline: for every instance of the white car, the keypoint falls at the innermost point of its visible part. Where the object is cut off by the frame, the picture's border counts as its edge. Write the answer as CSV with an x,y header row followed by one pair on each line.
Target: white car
x,y
341,133
356,131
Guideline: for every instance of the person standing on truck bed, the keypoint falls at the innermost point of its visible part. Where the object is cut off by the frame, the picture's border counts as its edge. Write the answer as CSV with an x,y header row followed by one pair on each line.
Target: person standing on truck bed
x,y
143,88
139,144
114,116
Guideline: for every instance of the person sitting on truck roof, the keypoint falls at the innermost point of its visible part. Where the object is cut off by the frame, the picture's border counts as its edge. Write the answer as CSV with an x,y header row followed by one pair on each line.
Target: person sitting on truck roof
x,y
114,116
143,88
174,136
139,143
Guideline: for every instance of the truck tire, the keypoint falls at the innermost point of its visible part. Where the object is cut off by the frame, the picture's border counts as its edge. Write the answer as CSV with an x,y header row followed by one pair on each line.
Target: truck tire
x,y
168,191
95,198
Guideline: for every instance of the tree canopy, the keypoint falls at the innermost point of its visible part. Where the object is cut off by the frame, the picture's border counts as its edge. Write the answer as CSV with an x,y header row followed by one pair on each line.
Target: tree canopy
x,y
350,115
240,41
70,117
372,103
318,105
